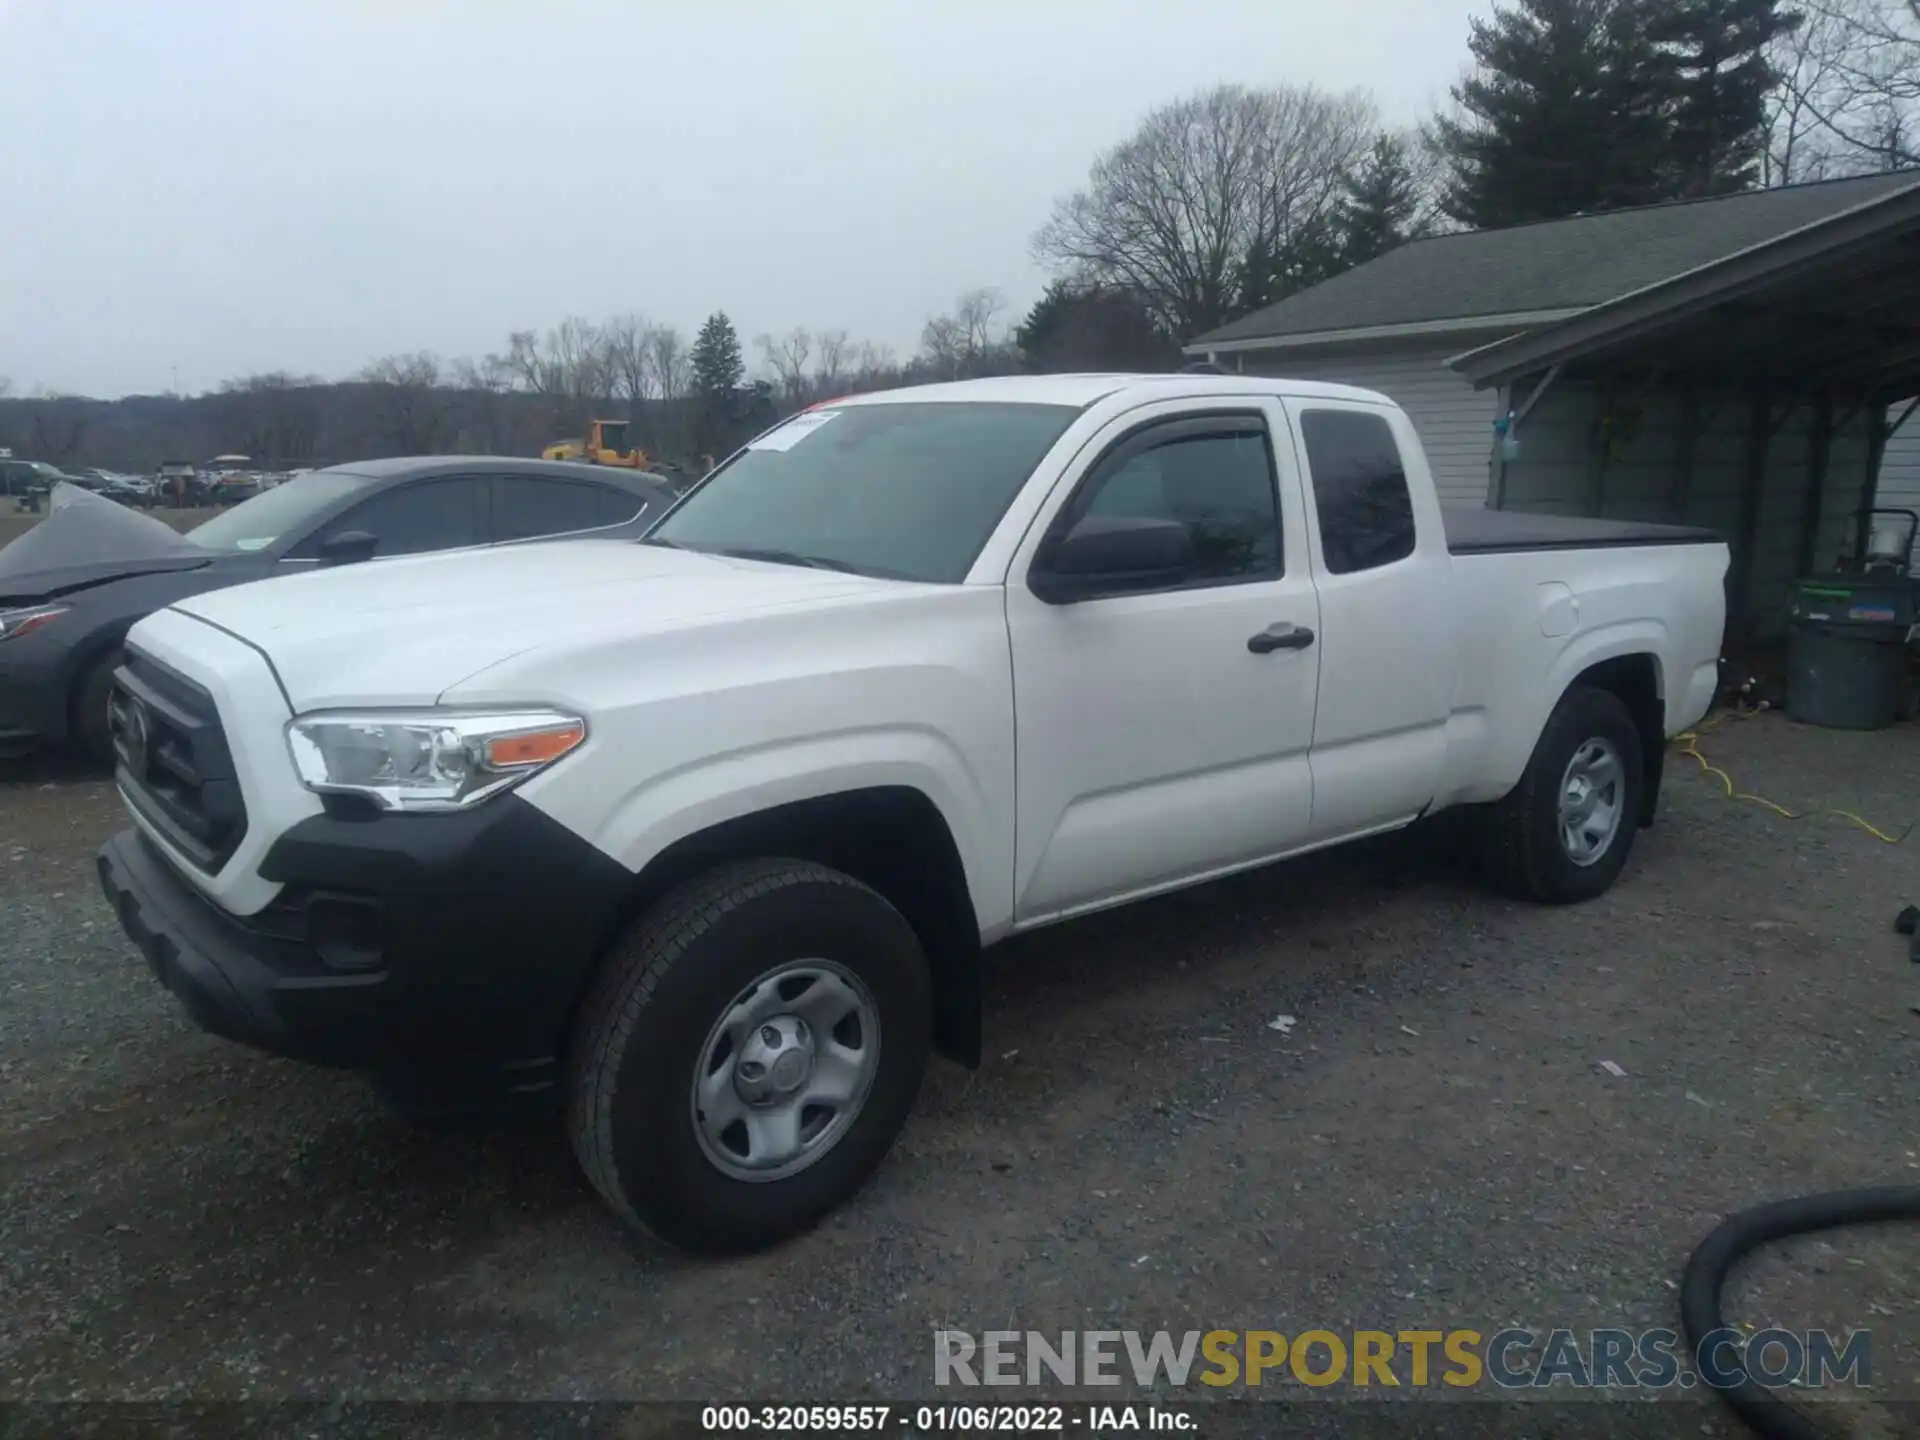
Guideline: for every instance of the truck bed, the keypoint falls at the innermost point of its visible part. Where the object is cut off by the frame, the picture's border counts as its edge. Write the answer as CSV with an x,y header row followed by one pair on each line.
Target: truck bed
x,y
1476,531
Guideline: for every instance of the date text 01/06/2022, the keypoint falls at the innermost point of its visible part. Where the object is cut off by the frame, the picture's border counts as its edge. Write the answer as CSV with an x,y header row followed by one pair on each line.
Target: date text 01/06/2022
x,y
943,1419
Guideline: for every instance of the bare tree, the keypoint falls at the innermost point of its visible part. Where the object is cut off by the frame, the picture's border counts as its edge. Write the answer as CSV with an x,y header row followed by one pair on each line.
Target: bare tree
x,y
59,428
577,352
967,342
831,360
940,344
667,358
974,316
485,386
1207,188
1848,98
624,342
786,356
410,408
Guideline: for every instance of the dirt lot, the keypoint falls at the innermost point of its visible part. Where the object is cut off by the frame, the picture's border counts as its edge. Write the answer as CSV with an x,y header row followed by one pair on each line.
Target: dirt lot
x,y
1434,1145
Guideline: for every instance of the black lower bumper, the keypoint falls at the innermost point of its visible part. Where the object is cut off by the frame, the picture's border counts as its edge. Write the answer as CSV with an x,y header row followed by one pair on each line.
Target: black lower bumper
x,y
31,704
417,948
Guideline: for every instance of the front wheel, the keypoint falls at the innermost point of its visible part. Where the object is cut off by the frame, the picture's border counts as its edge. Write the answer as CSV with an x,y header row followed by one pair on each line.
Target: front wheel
x,y
91,699
748,1054
1563,833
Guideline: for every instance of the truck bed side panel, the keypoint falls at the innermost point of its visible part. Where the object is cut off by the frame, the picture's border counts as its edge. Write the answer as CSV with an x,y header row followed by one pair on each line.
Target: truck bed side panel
x,y
1475,531
1540,617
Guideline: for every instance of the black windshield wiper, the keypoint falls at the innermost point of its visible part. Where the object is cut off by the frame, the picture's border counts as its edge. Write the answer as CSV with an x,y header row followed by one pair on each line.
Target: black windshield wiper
x,y
788,557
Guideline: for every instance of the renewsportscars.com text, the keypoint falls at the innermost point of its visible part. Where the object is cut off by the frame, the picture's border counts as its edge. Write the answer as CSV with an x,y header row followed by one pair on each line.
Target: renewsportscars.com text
x,y
1509,1359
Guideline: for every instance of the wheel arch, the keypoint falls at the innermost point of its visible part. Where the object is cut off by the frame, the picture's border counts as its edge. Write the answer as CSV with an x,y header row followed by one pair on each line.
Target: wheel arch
x,y
1635,679
893,838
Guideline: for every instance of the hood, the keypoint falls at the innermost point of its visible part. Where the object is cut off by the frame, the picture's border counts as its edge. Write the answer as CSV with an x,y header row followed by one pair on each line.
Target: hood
x,y
88,539
404,631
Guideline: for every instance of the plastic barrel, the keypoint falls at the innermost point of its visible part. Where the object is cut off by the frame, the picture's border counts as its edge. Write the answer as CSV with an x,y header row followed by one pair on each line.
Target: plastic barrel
x,y
1845,677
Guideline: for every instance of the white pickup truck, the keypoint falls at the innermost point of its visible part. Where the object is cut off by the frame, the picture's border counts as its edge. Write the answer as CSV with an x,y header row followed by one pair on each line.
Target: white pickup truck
x,y
706,832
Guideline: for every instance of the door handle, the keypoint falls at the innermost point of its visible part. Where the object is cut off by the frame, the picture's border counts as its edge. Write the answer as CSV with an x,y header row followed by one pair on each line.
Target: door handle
x,y
1280,637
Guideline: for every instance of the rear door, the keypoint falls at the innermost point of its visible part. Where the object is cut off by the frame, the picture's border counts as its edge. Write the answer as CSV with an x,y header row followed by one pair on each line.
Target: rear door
x,y
1386,615
1156,744
535,507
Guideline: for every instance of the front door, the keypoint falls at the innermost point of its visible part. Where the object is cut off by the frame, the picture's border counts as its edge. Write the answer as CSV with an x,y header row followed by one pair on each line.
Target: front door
x,y
1163,734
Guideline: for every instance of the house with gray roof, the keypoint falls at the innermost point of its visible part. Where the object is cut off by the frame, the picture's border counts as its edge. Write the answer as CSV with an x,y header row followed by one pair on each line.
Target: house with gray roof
x,y
1741,362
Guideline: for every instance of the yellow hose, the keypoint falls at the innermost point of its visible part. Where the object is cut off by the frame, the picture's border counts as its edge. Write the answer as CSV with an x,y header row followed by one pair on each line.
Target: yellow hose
x,y
1689,744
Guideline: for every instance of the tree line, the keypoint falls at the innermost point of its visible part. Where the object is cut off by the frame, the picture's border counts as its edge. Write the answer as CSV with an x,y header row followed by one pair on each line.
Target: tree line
x,y
1218,204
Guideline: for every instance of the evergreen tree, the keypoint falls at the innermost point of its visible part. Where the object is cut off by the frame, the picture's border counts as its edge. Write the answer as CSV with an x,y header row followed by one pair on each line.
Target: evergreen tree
x,y
1562,115
1381,208
1270,272
1093,327
717,363
1713,57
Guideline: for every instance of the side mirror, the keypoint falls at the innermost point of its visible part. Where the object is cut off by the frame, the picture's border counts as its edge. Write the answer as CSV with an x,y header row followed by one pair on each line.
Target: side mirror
x,y
349,547
1111,556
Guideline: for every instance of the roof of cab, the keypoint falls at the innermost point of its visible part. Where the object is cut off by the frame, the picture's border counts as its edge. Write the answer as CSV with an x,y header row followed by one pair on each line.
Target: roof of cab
x,y
1081,391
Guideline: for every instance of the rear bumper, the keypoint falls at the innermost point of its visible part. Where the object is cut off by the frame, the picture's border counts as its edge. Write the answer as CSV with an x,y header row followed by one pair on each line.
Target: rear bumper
x,y
417,947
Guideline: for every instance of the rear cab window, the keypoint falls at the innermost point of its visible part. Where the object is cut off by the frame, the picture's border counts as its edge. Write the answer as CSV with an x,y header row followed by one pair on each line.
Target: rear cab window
x,y
1359,483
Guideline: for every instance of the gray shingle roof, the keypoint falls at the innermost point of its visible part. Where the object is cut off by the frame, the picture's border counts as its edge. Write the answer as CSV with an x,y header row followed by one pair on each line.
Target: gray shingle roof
x,y
1554,264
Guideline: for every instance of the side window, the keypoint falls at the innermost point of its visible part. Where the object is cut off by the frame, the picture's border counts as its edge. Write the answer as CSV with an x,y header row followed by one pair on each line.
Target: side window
x,y
1220,486
411,519
1359,489
525,507
617,507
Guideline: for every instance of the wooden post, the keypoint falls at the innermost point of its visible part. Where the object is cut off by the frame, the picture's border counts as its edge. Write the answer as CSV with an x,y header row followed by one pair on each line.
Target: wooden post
x,y
1877,434
1497,449
1814,505
1680,484
1597,461
1758,436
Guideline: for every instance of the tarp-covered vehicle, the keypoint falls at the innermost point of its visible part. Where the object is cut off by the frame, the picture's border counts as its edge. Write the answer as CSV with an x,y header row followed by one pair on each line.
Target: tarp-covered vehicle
x,y
73,585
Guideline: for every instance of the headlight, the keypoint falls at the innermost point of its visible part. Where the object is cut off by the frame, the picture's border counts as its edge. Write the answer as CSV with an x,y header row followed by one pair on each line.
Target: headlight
x,y
427,761
15,623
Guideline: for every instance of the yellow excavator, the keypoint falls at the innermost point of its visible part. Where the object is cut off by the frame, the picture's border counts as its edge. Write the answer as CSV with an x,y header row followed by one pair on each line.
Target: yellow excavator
x,y
605,444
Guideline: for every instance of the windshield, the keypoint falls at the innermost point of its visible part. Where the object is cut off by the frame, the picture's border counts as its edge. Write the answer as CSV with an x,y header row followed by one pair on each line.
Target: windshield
x,y
910,490
258,523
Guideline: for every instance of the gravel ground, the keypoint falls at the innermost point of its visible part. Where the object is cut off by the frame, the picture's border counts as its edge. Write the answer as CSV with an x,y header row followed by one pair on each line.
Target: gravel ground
x,y
1435,1144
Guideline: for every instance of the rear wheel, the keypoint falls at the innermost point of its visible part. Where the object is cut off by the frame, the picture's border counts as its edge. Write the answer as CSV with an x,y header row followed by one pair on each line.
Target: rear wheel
x,y
748,1054
90,722
1563,833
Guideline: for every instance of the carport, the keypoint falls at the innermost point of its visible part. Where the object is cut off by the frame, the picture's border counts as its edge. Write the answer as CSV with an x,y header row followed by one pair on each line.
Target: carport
x,y
1751,395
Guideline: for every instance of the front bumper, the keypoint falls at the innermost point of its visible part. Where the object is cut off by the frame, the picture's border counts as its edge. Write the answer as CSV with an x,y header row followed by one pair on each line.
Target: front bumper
x,y
33,692
412,946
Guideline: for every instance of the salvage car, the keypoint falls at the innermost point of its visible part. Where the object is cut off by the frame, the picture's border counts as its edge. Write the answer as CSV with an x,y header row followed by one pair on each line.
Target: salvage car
x,y
71,587
704,835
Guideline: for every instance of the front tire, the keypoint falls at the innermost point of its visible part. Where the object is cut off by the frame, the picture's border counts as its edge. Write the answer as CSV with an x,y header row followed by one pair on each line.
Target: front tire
x,y
1563,834
748,1054
90,723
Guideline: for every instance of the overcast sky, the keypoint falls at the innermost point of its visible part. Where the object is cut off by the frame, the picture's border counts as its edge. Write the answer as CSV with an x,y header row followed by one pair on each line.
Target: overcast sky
x,y
195,189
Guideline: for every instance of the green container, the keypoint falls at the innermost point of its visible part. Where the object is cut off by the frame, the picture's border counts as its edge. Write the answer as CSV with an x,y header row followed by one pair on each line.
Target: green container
x,y
1847,651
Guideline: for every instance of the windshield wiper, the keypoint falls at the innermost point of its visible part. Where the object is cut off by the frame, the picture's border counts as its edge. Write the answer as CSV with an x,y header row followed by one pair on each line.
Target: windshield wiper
x,y
789,557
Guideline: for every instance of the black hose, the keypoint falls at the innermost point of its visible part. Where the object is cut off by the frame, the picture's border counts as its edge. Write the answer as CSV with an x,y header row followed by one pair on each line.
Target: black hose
x,y
1714,1258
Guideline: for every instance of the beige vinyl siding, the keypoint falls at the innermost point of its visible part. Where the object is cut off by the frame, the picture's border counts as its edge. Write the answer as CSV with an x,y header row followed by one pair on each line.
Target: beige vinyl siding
x,y
1454,420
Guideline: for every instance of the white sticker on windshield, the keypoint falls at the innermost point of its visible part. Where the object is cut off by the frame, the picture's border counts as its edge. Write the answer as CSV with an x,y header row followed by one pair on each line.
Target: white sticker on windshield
x,y
793,432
